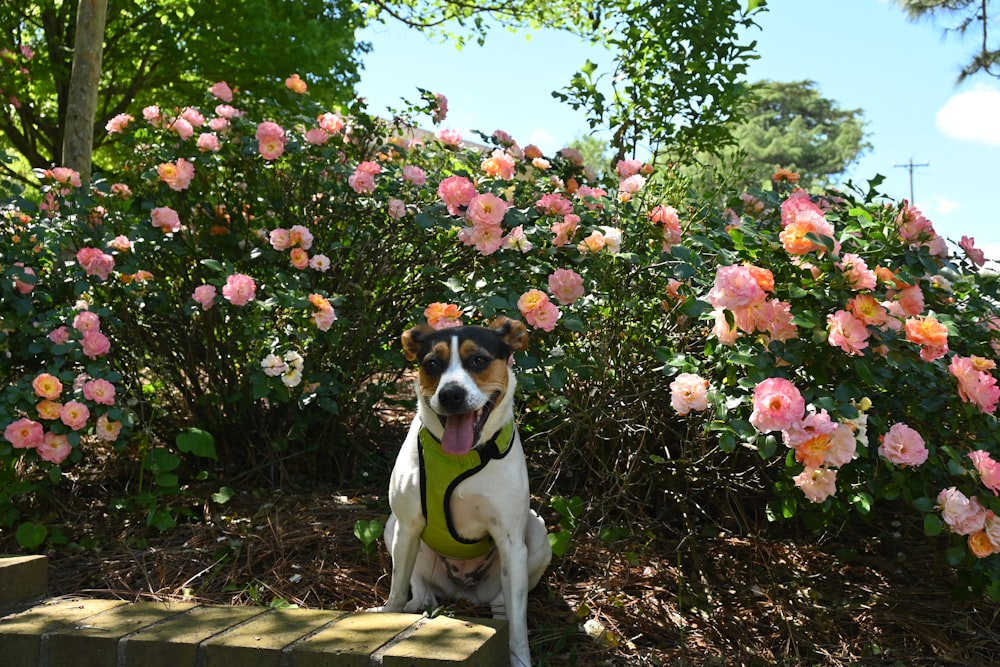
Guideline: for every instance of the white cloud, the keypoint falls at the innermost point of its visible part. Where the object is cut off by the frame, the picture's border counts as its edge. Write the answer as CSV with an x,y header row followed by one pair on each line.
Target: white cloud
x,y
973,115
941,205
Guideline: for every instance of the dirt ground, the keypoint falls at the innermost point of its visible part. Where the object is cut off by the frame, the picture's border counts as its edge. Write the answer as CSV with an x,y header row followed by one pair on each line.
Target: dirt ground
x,y
706,597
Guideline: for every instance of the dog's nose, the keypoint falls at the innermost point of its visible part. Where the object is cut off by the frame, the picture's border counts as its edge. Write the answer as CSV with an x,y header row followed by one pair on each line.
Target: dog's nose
x,y
452,397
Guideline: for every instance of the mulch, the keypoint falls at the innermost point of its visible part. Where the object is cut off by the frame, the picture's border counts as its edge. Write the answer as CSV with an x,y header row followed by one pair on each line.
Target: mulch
x,y
701,596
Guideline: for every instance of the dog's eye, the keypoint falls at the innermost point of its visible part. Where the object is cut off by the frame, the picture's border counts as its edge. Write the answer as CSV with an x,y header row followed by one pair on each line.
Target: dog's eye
x,y
432,366
479,362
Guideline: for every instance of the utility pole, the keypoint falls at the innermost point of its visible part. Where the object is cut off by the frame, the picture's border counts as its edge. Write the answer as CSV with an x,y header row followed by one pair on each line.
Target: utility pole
x,y
910,166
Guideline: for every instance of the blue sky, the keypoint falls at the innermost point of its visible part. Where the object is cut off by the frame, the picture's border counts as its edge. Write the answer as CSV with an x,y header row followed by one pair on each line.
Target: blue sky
x,y
862,53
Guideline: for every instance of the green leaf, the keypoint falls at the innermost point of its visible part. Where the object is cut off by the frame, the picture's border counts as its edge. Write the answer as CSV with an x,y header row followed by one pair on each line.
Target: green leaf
x,y
198,442
31,535
559,542
223,495
933,525
368,532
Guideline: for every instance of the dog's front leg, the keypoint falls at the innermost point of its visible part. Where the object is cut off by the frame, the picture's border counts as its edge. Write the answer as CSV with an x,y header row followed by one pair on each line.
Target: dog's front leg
x,y
514,582
403,540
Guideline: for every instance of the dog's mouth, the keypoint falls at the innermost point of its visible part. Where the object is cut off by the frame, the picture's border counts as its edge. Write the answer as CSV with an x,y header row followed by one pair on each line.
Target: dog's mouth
x,y
462,431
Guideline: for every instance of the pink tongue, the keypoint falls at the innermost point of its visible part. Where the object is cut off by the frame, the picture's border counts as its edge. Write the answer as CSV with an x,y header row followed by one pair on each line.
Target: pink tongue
x,y
458,433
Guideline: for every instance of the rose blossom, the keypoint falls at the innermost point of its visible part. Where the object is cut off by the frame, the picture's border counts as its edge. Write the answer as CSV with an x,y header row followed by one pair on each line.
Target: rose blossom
x,y
204,295
963,515
777,405
319,263
86,320
106,429
299,258
903,446
456,192
975,255
95,262
94,344
239,289
566,286
817,484
75,415
443,315
414,175
486,209
24,433
517,240
538,310
99,391
222,91
449,137
176,175
273,365
295,84
166,219
735,287
47,386
54,448
330,123
208,141
118,123
688,392
988,469
48,410
847,332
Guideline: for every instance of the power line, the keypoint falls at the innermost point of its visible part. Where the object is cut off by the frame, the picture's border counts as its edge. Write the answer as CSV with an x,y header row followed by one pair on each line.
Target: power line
x,y
910,166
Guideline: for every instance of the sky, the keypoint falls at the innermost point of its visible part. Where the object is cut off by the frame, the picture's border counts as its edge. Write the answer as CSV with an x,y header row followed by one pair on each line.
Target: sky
x,y
864,54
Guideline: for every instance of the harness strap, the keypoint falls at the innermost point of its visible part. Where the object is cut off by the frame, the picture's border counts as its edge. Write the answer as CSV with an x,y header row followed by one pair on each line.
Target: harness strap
x,y
440,475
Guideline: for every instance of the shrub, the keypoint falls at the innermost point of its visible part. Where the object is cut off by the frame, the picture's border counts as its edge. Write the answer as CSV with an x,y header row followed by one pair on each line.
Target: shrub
x,y
252,265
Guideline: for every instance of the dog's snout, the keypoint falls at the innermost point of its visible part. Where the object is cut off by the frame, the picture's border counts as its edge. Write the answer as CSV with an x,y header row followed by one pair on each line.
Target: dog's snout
x,y
452,397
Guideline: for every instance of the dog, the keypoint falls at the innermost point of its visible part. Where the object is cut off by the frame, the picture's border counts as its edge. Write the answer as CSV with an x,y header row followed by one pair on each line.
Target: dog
x,y
461,526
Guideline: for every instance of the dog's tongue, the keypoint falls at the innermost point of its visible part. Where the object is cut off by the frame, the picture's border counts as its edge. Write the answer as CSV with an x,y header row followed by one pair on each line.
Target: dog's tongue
x,y
458,433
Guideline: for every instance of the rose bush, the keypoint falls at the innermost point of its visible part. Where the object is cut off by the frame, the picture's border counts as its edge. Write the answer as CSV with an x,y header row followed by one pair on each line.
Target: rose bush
x,y
249,266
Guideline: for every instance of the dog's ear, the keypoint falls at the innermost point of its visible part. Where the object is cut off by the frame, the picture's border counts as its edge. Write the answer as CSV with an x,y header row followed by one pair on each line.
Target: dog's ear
x,y
412,339
511,332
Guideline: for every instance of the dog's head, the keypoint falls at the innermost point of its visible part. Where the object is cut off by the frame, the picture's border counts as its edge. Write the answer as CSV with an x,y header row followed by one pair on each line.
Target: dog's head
x,y
464,376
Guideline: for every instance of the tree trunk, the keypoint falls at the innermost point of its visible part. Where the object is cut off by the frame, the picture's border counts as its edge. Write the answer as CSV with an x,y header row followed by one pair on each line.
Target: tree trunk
x,y
78,140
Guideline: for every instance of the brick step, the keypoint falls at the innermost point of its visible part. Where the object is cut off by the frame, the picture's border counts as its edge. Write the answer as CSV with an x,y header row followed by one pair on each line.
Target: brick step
x,y
113,633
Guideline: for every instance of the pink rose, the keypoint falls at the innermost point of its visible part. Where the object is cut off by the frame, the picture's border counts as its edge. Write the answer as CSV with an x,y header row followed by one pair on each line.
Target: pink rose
x,y
47,386
847,332
988,469
566,286
208,141
176,175
222,91
777,405
330,123
319,263
397,208
295,84
269,130
975,255
688,392
95,344
118,123
166,219
554,204
735,287
299,258
362,182
95,262
963,515
975,385
24,433
99,391
456,192
316,136
817,484
440,108
239,289
414,175
449,137
108,430
903,446
204,295
301,236
280,239
59,335
538,310
27,272
74,414
487,238
486,209
55,448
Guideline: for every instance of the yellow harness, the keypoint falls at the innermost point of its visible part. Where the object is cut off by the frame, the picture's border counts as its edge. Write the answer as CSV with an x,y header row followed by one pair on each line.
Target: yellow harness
x,y
440,474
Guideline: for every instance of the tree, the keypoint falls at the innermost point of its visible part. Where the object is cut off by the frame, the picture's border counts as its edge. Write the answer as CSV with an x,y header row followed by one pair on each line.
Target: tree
x,y
154,52
793,126
84,80
969,18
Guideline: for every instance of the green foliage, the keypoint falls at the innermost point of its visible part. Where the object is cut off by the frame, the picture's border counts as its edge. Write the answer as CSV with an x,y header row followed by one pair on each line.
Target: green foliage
x,y
368,533
678,75
175,48
965,17
639,383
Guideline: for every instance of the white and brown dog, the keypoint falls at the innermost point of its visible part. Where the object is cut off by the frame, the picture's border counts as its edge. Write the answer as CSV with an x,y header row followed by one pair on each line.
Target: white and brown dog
x,y
461,526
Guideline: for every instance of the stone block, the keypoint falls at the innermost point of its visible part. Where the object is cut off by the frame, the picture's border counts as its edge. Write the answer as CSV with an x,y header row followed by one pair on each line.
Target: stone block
x,y
351,640
23,579
175,641
261,640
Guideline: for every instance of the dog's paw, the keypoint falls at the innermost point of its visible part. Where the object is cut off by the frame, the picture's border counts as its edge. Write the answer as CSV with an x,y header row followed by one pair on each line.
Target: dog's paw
x,y
383,608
